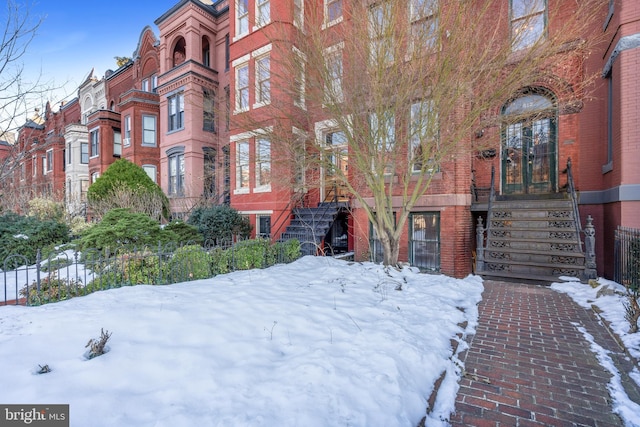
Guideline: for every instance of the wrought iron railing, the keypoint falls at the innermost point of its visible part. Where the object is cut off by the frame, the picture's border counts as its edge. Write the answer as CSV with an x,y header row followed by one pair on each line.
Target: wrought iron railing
x,y
480,229
70,273
571,190
296,201
627,257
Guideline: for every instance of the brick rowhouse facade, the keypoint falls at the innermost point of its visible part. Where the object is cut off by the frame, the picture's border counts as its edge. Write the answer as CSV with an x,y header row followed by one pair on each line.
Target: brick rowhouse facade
x,y
172,110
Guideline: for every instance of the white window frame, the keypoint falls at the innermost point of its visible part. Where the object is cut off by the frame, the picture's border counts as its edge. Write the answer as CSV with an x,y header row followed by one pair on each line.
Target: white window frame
x,y
262,160
145,131
83,145
336,85
425,108
263,13
299,98
527,17
242,164
34,165
298,13
127,131
259,232
385,144
49,161
175,161
242,19
151,171
327,6
145,85
93,132
262,81
175,102
117,143
241,64
423,15
379,16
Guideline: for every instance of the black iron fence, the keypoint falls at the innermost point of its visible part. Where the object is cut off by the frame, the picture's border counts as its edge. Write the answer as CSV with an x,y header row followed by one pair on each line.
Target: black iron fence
x,y
627,257
69,273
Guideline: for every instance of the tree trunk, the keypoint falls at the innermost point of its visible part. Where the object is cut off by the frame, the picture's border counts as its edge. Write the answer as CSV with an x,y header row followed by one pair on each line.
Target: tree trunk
x,y
390,248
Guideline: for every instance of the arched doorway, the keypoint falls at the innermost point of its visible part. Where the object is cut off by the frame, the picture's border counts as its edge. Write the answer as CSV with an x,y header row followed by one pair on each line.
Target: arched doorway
x,y
529,144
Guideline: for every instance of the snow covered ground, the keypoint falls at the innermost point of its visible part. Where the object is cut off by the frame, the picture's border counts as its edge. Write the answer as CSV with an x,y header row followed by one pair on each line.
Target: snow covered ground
x,y
318,342
609,297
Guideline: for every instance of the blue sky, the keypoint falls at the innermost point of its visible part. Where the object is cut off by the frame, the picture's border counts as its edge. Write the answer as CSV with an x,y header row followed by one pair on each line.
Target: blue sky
x,y
76,36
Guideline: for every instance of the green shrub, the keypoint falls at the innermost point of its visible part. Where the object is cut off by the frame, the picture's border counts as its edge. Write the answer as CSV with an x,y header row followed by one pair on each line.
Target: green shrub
x,y
218,223
126,185
106,280
186,233
24,235
288,251
141,268
190,263
220,261
250,254
120,227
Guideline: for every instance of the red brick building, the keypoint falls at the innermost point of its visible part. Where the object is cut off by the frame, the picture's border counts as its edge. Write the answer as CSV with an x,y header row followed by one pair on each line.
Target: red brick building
x,y
192,108
609,130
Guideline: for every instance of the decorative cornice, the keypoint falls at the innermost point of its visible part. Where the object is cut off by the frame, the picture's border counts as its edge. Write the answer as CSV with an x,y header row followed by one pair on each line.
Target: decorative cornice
x,y
625,43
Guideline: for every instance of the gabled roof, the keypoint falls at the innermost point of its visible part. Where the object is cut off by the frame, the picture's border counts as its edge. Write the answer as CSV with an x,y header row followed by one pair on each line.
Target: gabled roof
x,y
156,42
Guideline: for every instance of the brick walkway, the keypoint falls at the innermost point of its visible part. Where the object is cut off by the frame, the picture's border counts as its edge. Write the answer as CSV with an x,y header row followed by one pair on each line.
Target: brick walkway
x,y
529,366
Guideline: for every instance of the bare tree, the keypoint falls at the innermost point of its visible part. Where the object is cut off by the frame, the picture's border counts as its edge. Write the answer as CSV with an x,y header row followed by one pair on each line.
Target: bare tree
x,y
405,85
17,90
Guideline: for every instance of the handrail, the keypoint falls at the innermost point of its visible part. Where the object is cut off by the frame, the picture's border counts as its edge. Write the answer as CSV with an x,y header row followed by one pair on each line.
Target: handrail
x,y
293,203
480,230
571,189
492,196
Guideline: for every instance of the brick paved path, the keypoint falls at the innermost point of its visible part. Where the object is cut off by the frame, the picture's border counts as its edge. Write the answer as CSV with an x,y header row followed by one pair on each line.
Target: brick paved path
x,y
529,366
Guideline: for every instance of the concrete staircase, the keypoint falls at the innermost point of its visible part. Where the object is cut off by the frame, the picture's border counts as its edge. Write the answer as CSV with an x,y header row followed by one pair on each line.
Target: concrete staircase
x,y
532,239
311,225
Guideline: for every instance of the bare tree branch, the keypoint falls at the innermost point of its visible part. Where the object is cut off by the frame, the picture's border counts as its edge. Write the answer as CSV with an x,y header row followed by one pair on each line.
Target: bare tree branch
x,y
405,85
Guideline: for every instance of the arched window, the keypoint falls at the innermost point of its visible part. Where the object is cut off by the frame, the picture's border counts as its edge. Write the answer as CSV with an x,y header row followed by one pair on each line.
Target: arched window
x,y
529,156
179,51
206,52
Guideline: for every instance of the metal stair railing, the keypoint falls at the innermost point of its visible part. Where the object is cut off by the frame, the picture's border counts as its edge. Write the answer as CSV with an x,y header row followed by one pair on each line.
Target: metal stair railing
x,y
295,202
571,189
481,243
